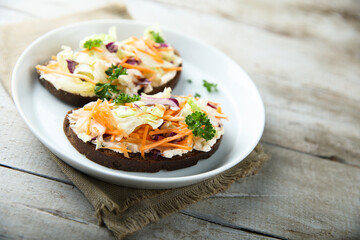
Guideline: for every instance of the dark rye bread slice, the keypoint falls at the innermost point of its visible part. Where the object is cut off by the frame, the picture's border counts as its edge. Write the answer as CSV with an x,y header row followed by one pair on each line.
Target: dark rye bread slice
x,y
78,100
135,163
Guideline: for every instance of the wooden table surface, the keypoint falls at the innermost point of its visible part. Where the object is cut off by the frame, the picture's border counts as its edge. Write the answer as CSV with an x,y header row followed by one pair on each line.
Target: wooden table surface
x,y
304,57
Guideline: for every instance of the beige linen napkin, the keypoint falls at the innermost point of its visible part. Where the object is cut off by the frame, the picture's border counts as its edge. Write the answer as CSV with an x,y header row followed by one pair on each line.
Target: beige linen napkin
x,y
123,210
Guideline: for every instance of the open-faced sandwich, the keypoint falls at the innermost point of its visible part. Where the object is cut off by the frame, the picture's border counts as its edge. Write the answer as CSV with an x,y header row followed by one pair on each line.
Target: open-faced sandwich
x,y
104,67
146,133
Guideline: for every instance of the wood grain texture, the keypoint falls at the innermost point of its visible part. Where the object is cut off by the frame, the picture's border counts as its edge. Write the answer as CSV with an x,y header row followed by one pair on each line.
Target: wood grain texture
x,y
309,82
293,196
55,210
303,56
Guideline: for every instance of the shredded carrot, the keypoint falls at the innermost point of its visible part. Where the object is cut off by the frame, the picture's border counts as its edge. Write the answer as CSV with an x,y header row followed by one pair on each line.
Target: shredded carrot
x,y
136,56
52,65
91,114
189,139
182,104
123,149
128,104
125,59
114,132
49,70
53,58
219,110
144,140
154,56
112,138
173,69
170,112
97,49
152,77
140,114
106,59
161,107
174,145
150,43
174,119
183,124
134,135
143,69
85,50
186,97
222,117
161,131
165,140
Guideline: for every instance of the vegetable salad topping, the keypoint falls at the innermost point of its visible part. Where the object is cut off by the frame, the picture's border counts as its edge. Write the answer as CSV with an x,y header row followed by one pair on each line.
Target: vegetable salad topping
x,y
106,67
161,124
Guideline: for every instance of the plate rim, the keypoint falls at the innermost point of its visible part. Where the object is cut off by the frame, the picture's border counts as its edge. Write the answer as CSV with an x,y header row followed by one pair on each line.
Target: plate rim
x,y
190,178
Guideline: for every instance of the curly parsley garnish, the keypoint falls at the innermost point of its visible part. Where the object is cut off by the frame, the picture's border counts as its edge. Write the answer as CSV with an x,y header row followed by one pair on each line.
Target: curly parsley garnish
x,y
125,98
200,125
197,95
89,44
189,81
210,87
156,37
115,71
106,90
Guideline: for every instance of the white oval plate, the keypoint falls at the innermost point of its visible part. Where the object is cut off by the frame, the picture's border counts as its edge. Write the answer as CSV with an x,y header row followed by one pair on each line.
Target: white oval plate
x,y
240,100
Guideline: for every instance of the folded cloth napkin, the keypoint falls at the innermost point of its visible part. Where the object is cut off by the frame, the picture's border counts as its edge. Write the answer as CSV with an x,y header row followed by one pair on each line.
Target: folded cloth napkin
x,y
123,210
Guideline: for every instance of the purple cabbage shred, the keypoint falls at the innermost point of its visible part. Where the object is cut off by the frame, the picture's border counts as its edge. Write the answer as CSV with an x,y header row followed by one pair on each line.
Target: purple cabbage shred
x,y
172,102
163,45
155,153
71,64
143,81
155,137
133,61
210,105
111,47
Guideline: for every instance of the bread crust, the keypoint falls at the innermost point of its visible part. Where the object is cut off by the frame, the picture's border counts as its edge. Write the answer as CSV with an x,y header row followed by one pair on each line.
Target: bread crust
x,y
135,163
78,100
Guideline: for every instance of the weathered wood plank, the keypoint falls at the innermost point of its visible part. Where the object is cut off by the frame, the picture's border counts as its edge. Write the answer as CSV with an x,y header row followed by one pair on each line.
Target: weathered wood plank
x,y
19,147
309,85
308,76
293,196
55,210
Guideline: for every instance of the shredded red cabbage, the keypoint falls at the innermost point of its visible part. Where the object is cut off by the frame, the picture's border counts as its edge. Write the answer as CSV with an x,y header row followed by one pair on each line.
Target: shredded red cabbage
x,y
143,81
155,153
71,64
133,61
211,105
136,106
111,47
160,45
155,137
172,102
172,134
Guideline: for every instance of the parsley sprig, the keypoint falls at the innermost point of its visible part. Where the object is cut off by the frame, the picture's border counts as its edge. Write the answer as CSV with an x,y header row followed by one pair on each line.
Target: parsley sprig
x,y
156,37
200,125
210,87
115,71
125,98
106,90
89,44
